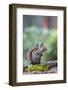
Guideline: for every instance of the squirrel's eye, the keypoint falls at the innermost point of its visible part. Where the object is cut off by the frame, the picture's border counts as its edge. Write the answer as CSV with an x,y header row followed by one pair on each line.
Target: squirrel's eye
x,y
37,53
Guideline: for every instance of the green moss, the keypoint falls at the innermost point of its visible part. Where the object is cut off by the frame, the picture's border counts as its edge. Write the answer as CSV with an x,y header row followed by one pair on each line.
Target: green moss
x,y
37,67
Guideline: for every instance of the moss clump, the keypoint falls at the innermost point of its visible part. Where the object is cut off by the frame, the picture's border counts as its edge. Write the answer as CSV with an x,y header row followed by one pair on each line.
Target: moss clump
x,y
37,67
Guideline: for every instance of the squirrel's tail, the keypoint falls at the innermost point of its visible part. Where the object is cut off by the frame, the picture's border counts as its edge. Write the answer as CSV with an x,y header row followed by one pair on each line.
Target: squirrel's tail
x,y
30,54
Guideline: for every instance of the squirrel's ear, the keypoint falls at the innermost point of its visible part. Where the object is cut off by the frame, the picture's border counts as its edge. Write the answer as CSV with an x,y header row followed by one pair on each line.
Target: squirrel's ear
x,y
37,45
41,44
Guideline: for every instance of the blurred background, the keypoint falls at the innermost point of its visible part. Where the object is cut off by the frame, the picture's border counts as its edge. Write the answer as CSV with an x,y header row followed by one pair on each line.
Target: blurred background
x,y
40,29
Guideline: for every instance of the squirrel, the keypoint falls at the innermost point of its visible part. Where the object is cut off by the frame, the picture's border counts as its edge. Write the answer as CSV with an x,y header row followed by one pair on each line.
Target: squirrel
x,y
36,53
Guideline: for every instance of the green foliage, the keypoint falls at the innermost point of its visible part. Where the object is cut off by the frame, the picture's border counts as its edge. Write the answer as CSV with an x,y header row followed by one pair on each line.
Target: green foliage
x,y
51,44
37,67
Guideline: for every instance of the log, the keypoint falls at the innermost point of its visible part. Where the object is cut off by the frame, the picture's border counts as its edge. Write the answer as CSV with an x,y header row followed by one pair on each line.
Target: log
x,y
51,62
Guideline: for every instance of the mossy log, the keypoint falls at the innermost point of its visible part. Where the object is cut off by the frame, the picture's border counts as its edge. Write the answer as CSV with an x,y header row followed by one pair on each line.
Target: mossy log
x,y
39,67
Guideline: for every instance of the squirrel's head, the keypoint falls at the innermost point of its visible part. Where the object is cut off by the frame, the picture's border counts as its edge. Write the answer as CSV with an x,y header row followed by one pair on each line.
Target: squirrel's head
x,y
41,47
